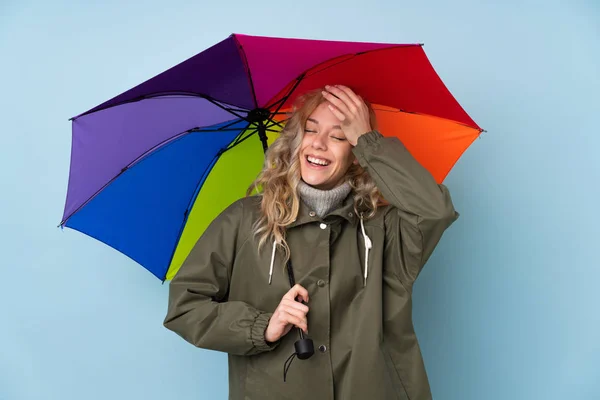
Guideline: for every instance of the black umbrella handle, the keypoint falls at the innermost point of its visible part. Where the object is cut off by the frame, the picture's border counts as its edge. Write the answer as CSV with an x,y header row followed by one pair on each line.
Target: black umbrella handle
x,y
304,346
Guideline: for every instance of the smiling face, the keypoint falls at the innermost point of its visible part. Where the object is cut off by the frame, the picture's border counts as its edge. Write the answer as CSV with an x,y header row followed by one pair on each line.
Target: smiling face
x,y
325,154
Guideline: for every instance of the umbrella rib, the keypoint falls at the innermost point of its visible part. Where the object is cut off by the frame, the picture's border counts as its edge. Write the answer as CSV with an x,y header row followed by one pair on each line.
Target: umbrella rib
x,y
139,158
157,95
350,56
237,110
197,190
272,123
194,130
274,103
282,101
223,128
239,140
343,58
399,110
247,68
229,124
229,110
186,213
287,96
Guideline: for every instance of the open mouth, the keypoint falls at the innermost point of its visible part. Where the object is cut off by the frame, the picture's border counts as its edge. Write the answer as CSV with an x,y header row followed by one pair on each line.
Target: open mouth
x,y
319,162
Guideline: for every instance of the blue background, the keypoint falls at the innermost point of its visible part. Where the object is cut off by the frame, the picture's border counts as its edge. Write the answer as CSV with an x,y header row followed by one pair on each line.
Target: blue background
x,y
507,308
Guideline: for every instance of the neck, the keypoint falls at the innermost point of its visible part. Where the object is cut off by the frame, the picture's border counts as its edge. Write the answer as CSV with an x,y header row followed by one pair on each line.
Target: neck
x,y
323,201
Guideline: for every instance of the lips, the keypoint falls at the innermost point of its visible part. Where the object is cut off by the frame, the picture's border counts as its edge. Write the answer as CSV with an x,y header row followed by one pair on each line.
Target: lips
x,y
317,161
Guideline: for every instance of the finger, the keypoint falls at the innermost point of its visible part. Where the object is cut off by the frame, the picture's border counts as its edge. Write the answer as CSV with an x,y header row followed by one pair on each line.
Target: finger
x,y
337,112
343,93
293,311
296,305
296,321
336,101
356,99
296,291
344,96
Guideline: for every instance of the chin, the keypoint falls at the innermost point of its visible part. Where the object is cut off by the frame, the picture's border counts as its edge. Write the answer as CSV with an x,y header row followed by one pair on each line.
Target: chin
x,y
321,184
311,181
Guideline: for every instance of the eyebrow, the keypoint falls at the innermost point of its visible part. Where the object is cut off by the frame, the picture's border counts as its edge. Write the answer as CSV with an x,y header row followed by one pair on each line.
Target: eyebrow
x,y
317,122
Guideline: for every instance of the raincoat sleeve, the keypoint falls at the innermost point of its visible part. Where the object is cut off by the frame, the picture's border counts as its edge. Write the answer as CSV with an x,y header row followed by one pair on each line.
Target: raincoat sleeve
x,y
421,208
198,309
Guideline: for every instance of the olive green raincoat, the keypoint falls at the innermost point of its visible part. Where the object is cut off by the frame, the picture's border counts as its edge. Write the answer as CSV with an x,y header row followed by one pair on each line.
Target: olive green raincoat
x,y
366,347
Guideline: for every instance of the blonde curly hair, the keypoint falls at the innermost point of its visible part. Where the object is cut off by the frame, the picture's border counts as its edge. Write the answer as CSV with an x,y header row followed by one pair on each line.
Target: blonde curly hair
x,y
279,178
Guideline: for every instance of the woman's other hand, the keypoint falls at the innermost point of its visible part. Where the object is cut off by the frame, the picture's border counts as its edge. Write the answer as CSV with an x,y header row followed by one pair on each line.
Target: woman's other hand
x,y
289,313
350,109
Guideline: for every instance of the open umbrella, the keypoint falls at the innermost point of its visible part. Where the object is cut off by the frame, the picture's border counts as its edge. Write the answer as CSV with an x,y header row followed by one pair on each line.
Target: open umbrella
x,y
151,167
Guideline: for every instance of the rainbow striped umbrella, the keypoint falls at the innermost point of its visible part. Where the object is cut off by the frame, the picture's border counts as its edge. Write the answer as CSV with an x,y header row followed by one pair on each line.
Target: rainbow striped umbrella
x,y
151,167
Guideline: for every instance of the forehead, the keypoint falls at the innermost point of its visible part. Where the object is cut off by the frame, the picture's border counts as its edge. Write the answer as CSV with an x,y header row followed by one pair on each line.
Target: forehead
x,y
322,115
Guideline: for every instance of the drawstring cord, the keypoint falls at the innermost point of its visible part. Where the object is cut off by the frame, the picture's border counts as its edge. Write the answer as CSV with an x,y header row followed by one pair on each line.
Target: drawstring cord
x,y
287,364
368,246
272,261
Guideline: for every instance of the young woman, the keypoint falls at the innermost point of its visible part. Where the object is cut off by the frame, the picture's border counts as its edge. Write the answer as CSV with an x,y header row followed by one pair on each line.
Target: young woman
x,y
356,217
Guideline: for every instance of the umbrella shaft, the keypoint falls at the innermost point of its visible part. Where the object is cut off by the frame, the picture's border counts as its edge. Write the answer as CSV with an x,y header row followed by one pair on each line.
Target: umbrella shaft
x,y
262,134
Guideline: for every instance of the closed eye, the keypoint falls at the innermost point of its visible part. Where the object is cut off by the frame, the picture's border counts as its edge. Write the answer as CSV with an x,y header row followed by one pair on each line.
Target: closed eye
x,y
339,139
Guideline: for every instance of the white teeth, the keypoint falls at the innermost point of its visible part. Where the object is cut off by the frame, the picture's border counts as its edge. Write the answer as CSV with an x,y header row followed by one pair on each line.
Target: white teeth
x,y
317,161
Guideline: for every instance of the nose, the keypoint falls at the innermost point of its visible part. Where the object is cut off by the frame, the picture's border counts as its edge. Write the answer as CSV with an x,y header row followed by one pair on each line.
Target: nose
x,y
318,142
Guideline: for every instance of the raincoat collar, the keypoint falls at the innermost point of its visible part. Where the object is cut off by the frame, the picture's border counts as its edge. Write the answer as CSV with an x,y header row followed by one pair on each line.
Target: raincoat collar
x,y
345,210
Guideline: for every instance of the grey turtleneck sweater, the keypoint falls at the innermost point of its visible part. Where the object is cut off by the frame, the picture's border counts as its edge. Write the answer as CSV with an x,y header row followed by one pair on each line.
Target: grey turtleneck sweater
x,y
323,201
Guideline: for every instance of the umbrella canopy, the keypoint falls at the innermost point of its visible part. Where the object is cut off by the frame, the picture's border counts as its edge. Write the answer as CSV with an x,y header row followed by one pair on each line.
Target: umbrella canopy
x,y
153,166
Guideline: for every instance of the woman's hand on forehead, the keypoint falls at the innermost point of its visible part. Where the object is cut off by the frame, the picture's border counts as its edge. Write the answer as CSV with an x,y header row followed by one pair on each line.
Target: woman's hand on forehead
x,y
350,109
